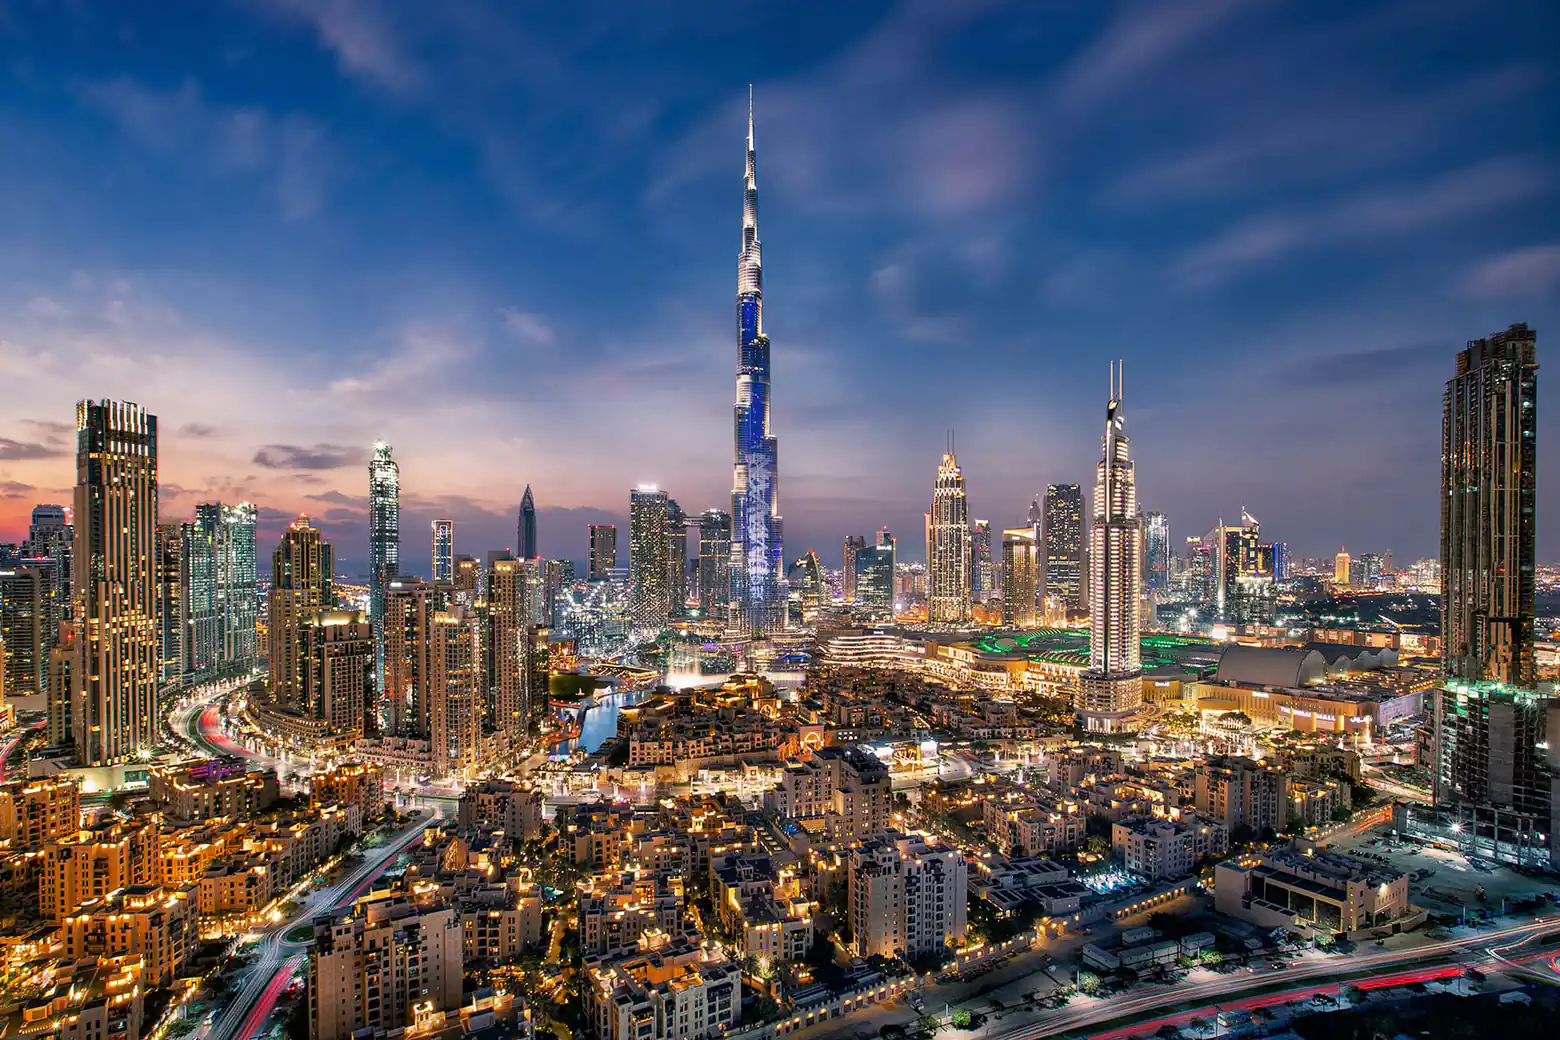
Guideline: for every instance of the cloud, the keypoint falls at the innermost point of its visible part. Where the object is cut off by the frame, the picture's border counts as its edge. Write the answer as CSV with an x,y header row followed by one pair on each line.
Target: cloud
x,y
1369,216
14,489
18,451
337,498
1276,135
426,359
288,153
320,456
358,36
1141,38
531,327
1528,272
197,430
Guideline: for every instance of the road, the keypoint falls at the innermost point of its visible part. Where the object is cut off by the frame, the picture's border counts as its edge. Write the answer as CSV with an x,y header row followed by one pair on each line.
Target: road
x,y
13,742
268,976
1226,987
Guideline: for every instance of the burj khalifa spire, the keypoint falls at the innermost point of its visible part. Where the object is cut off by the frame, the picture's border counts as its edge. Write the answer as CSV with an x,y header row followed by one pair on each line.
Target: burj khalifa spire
x,y
758,591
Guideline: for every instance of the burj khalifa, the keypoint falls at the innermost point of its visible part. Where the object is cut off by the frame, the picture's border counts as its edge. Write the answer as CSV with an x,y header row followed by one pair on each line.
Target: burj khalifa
x,y
758,589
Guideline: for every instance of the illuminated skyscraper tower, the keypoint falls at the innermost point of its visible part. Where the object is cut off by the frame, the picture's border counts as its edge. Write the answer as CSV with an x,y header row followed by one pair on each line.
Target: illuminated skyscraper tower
x,y
1157,551
1063,548
1110,692
1489,446
525,546
443,551
649,570
114,710
948,545
758,587
384,542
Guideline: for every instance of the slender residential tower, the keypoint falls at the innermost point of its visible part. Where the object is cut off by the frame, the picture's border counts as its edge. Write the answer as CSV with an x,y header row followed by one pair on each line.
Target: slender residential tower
x,y
443,551
114,710
384,542
758,588
1489,482
1110,691
525,544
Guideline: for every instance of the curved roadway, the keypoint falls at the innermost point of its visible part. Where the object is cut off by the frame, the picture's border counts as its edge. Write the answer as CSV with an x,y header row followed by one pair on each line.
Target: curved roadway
x,y
1068,1019
268,976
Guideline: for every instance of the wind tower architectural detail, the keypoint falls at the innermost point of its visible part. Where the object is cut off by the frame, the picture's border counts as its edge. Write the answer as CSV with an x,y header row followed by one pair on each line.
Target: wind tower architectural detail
x,y
758,588
1110,691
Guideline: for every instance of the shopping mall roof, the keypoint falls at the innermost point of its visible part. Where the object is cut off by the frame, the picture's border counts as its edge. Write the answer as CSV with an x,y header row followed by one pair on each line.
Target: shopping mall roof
x,y
1070,646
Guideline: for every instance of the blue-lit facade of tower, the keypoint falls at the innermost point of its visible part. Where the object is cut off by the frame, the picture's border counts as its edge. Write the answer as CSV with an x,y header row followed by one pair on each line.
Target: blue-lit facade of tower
x,y
758,587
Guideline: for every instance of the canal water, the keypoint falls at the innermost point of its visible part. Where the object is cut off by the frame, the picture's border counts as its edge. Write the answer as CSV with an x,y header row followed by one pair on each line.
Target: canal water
x,y
600,722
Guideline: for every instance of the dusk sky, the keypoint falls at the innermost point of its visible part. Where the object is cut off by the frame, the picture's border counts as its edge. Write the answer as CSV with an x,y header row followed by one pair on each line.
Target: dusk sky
x,y
503,238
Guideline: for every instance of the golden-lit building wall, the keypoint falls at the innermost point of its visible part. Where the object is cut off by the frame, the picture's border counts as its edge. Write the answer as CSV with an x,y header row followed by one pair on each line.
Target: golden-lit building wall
x,y
509,633
406,704
301,584
457,691
33,812
114,711
337,656
1020,577
1341,568
95,863
152,923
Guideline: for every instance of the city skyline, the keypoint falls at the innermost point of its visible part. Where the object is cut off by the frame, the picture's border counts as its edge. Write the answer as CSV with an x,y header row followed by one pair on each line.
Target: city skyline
x,y
1464,216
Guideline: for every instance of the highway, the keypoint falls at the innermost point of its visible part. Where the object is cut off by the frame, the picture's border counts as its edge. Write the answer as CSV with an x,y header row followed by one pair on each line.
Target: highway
x,y
267,977
1223,989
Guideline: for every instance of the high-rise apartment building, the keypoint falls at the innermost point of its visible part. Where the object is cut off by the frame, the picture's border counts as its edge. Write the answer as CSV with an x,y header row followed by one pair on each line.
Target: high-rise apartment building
x,y
1064,545
384,541
714,527
170,603
1110,691
948,546
983,570
758,589
336,655
511,629
1243,586
1342,568
24,611
1156,552
1020,577
1489,444
457,691
1489,745
649,567
443,552
50,536
406,697
302,585
875,565
853,542
238,589
202,592
114,711
525,533
603,551
1280,561
1198,573
677,555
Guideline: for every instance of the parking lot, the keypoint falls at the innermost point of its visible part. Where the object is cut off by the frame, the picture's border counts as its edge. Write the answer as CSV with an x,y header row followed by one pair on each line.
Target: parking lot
x,y
1444,881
